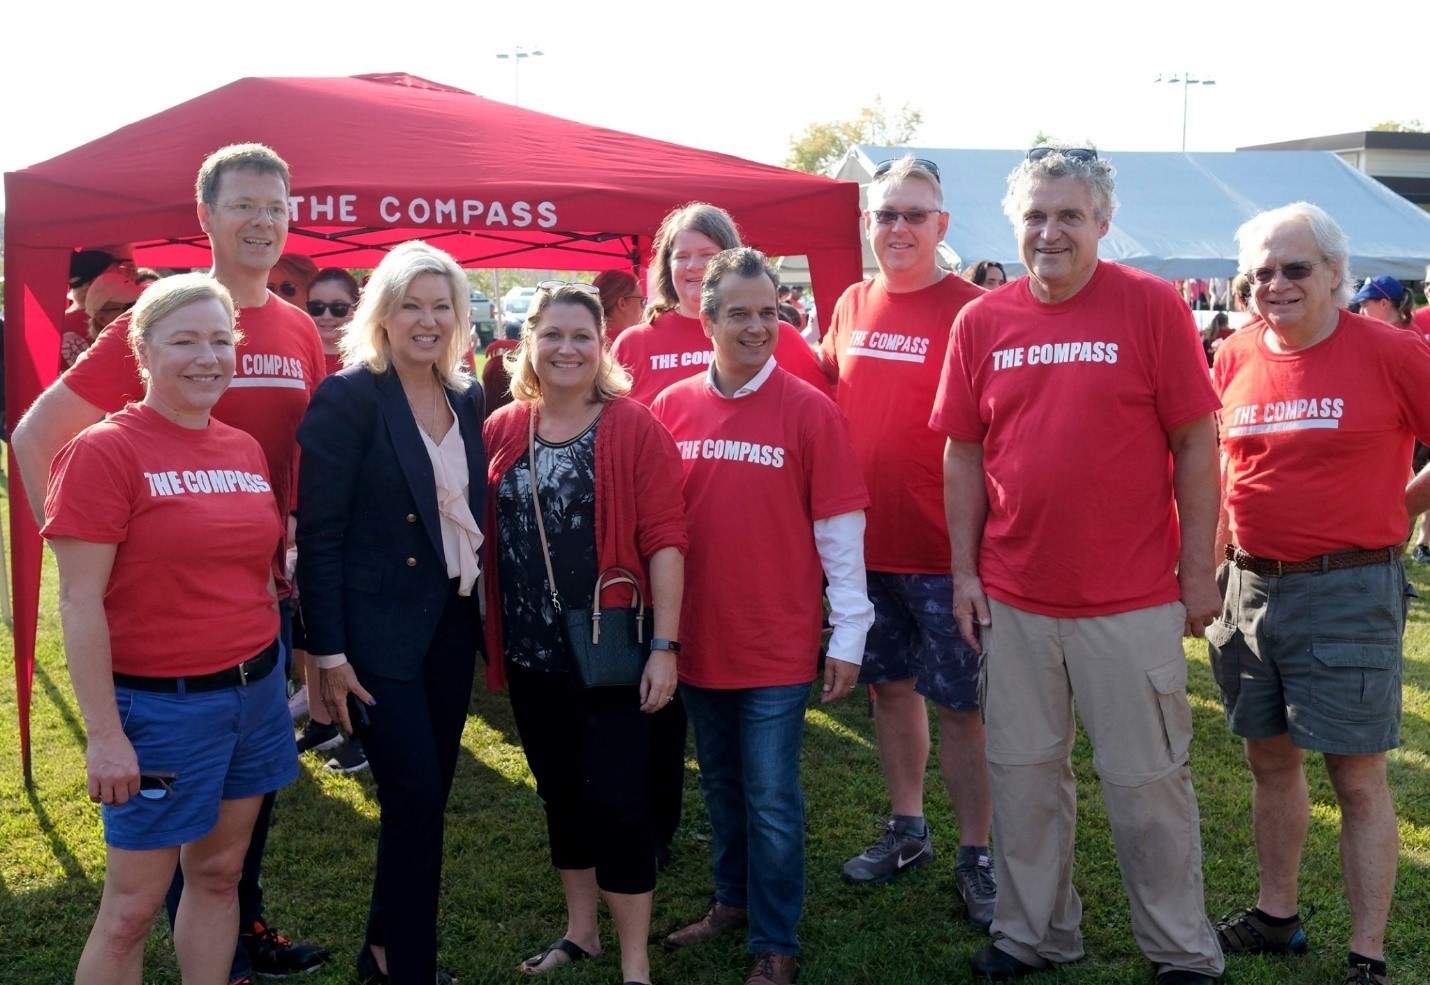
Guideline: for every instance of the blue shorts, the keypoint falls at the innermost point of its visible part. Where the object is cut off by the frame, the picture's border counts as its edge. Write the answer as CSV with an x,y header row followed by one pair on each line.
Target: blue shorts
x,y
915,635
220,745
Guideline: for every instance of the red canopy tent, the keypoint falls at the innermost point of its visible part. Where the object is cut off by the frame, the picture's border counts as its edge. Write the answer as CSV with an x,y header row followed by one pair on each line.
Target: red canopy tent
x,y
376,160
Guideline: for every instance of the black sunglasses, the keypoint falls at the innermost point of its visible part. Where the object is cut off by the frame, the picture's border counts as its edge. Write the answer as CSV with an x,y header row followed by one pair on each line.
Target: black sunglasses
x,y
914,217
288,289
339,309
1084,154
884,167
156,784
1299,270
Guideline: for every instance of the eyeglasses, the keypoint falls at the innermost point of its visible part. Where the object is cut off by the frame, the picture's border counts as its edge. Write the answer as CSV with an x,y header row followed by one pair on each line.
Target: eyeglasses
x,y
116,307
914,217
555,285
339,309
884,167
288,289
251,210
636,297
1084,154
1298,270
156,785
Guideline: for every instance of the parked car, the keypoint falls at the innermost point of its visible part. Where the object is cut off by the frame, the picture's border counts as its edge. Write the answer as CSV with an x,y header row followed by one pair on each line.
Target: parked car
x,y
484,320
515,304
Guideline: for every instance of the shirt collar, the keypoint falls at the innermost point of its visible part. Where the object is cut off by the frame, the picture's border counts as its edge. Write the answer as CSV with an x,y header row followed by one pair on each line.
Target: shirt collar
x,y
757,381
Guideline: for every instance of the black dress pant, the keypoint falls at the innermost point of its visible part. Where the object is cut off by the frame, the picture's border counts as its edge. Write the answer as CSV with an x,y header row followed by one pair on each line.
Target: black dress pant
x,y
412,745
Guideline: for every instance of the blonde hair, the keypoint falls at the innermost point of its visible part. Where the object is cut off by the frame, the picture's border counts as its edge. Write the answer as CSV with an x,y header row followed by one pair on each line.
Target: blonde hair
x,y
167,295
364,341
612,380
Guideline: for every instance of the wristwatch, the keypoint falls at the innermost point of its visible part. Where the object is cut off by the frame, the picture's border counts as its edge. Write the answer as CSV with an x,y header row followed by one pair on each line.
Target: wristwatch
x,y
660,644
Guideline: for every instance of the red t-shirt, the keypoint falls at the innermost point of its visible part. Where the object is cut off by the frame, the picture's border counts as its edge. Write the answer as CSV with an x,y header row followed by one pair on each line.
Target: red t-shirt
x,y
674,348
759,470
1317,442
890,349
279,364
1421,320
195,524
332,362
1072,403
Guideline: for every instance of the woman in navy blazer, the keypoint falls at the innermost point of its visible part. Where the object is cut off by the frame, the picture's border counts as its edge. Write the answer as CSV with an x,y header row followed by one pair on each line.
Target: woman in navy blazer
x,y
391,482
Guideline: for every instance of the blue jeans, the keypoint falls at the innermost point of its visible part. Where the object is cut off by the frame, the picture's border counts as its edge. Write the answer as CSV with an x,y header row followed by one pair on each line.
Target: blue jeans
x,y
748,744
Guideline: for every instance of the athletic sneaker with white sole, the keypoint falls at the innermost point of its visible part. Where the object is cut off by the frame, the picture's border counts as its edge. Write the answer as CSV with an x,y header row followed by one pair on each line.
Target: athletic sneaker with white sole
x,y
894,852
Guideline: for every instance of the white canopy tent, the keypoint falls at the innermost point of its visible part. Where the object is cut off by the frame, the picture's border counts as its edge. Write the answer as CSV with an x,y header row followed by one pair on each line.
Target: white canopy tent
x,y
1177,213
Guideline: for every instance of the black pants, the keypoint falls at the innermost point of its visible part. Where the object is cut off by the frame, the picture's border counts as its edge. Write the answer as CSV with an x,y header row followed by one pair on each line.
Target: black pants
x,y
665,770
412,746
587,750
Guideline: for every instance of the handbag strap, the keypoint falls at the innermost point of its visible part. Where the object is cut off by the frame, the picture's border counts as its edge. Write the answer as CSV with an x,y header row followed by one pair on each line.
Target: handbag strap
x,y
536,502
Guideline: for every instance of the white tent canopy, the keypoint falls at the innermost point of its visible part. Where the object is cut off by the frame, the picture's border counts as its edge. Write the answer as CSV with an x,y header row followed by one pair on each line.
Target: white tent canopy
x,y
1178,213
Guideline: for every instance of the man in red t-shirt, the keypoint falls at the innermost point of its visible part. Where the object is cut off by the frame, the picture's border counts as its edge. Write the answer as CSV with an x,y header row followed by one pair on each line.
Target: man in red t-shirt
x,y
242,193
1080,484
1319,408
887,340
773,498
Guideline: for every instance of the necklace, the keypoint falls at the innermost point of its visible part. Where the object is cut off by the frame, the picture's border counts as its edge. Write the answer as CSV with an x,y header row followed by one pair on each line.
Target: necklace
x,y
430,423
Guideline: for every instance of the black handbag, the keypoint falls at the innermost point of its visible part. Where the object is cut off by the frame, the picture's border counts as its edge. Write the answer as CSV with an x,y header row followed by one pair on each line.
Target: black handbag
x,y
609,647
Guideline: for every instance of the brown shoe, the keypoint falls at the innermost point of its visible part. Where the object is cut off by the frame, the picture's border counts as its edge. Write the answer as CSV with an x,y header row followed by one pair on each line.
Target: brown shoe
x,y
717,920
773,969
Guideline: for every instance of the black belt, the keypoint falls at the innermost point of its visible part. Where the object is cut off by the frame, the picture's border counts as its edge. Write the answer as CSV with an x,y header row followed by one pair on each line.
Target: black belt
x,y
1326,562
249,672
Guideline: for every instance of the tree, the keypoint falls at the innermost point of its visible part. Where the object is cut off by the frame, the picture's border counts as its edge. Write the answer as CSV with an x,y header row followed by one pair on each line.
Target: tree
x,y
822,145
1397,126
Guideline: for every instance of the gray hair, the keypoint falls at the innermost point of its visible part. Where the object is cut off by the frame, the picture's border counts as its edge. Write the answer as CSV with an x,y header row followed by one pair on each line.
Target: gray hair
x,y
1096,174
905,168
1330,240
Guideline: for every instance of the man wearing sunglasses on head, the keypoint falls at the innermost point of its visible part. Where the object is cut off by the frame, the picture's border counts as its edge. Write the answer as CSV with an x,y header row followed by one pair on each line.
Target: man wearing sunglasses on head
x,y
242,193
1319,407
1080,485
886,344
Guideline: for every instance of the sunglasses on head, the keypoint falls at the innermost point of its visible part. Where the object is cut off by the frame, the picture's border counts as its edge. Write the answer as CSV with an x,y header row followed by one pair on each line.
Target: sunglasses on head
x,y
288,289
156,785
1084,154
884,167
1299,270
555,285
914,217
339,309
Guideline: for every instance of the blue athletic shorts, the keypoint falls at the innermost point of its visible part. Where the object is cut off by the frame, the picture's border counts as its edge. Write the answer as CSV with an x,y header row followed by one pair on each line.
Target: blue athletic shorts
x,y
220,745
915,635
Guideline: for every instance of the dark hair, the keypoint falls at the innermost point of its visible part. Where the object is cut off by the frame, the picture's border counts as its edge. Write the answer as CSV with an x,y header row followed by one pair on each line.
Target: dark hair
x,y
978,273
338,276
744,261
615,286
710,221
238,157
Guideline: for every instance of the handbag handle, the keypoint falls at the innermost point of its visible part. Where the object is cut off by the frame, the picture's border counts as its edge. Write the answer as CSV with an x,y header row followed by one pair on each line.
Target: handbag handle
x,y
536,502
623,577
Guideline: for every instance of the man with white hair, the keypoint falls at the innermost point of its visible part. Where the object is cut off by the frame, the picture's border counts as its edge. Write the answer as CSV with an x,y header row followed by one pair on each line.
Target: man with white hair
x,y
1080,487
1318,406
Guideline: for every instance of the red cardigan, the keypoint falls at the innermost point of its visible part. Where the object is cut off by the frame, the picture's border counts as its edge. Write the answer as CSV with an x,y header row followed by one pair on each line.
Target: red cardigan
x,y
640,502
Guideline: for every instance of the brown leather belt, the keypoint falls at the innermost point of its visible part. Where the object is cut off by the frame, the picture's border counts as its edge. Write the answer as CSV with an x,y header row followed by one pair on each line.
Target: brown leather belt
x,y
1326,562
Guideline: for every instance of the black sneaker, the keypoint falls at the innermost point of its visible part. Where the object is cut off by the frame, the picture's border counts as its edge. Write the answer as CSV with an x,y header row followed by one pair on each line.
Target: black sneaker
x,y
275,956
977,884
895,851
316,737
350,758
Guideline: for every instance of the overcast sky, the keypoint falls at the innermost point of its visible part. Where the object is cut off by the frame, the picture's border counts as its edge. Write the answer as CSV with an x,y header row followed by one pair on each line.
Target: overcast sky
x,y
743,78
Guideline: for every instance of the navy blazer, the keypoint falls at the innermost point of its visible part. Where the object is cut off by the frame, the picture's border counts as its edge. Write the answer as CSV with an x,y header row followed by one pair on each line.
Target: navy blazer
x,y
372,576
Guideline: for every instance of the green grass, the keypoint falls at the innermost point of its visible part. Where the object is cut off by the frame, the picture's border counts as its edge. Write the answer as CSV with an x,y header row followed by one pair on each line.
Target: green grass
x,y
501,899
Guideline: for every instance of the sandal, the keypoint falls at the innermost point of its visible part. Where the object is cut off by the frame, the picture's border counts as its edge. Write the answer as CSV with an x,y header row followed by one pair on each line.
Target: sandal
x,y
574,952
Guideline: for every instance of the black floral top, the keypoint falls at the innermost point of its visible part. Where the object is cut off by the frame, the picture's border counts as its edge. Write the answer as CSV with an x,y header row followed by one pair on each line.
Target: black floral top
x,y
566,474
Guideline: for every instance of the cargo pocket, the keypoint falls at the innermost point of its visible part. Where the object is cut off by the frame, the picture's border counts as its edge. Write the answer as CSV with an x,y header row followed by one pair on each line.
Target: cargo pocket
x,y
1355,682
1170,683
1224,652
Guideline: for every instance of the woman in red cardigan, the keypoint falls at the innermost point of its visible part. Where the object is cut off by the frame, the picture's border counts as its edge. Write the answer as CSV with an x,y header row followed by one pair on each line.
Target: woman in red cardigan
x,y
609,481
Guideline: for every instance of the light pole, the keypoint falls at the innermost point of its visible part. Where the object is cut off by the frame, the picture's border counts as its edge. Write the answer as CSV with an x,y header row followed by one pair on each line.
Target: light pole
x,y
1186,81
516,54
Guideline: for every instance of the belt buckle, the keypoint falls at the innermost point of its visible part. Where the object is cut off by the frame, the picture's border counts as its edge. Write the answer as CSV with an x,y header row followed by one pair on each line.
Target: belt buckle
x,y
242,676
1280,569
